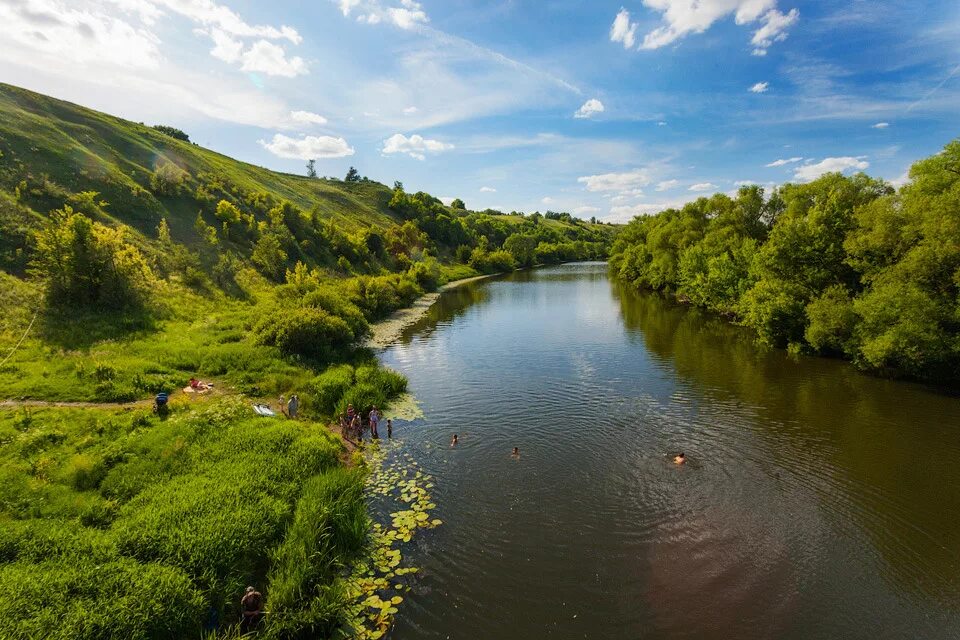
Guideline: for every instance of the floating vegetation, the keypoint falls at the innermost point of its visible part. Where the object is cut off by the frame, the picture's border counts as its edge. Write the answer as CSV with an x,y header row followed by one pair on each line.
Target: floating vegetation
x,y
405,407
376,584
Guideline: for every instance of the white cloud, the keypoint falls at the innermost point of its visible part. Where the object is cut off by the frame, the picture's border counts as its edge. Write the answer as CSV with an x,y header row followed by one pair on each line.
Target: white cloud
x,y
589,109
407,15
623,30
266,57
585,209
225,47
222,18
745,183
774,29
662,123
702,186
782,161
487,190
409,111
416,146
667,184
308,147
760,87
547,200
82,36
813,171
307,117
616,181
880,125
683,17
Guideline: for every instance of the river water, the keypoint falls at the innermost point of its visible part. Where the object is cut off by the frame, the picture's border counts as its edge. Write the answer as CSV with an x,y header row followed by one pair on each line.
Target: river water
x,y
817,502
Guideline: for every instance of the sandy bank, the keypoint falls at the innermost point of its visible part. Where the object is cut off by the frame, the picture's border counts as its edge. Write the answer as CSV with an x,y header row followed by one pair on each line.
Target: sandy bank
x,y
388,330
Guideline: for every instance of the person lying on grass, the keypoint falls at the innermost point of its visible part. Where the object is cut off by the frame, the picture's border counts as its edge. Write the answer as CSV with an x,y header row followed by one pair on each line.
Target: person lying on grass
x,y
199,385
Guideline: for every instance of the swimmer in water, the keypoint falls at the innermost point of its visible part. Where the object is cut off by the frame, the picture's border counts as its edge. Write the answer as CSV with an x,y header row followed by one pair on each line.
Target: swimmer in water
x,y
516,452
454,441
680,459
389,428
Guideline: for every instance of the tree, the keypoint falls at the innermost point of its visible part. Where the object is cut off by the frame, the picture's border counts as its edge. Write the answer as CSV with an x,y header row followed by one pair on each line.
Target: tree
x,y
86,264
173,132
269,256
352,175
167,179
311,168
457,204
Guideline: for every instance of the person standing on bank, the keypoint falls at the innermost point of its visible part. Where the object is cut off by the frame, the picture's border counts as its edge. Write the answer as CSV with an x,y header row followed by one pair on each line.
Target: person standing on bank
x,y
293,405
374,419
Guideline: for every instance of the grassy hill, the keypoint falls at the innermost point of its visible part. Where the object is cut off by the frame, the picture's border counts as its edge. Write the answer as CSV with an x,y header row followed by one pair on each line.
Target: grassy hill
x,y
130,261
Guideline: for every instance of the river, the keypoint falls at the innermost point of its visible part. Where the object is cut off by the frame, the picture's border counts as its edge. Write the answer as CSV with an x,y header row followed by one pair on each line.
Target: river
x,y
817,502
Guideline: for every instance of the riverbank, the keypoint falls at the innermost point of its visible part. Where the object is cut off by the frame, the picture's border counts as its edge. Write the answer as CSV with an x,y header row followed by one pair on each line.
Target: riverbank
x,y
389,330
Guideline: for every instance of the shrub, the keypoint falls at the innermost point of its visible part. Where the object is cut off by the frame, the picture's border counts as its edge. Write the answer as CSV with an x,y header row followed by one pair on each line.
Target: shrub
x,y
86,264
305,331
167,179
269,257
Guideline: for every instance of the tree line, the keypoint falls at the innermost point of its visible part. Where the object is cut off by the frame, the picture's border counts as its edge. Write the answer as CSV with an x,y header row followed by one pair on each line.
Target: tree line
x,y
840,266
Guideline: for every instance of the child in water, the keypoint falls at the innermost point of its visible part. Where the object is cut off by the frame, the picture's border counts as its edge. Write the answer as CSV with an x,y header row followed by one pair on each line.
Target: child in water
x,y
516,452
680,459
454,441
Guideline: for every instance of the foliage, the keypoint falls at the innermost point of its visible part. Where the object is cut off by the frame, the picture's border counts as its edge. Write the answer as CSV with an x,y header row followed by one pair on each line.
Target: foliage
x,y
173,132
167,179
86,264
840,265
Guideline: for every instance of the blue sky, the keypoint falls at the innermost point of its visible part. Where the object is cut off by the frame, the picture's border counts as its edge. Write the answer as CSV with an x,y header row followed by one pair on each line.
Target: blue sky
x,y
610,109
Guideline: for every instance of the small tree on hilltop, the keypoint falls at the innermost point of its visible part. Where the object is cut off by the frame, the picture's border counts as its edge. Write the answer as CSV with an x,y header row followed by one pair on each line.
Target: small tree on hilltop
x,y
311,168
352,175
457,204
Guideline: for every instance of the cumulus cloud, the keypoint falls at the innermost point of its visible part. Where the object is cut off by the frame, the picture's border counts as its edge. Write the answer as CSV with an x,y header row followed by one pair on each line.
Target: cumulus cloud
x,y
221,18
416,146
487,190
409,111
779,162
623,30
307,117
667,184
269,58
585,209
308,147
225,47
880,125
760,87
547,200
683,17
616,181
589,109
812,171
407,15
702,186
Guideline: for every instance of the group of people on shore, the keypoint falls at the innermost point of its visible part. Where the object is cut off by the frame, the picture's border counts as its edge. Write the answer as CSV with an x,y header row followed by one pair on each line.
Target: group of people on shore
x,y
352,424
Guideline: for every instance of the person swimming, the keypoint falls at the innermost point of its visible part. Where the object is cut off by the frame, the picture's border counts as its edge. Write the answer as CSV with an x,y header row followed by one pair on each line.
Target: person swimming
x,y
680,459
516,452
454,440
389,428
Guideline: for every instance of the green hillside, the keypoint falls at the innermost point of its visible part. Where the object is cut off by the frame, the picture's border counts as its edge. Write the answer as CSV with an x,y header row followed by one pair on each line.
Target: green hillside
x,y
131,261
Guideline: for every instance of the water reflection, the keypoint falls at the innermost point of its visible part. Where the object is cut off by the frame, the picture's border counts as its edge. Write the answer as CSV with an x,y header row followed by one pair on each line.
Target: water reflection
x,y
811,507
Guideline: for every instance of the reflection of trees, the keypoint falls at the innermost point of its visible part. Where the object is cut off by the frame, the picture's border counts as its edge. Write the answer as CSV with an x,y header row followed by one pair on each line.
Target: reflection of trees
x,y
885,449
451,304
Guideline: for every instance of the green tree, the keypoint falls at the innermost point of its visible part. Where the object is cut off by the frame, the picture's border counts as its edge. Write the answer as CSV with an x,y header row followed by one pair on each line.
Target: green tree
x,y
269,257
86,264
457,204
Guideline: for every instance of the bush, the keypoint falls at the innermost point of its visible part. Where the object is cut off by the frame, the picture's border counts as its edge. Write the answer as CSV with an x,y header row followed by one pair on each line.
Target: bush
x,y
167,179
269,257
86,264
831,321
306,331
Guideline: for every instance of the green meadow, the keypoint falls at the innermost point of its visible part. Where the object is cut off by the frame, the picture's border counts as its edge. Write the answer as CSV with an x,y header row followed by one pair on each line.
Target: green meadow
x,y
132,260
